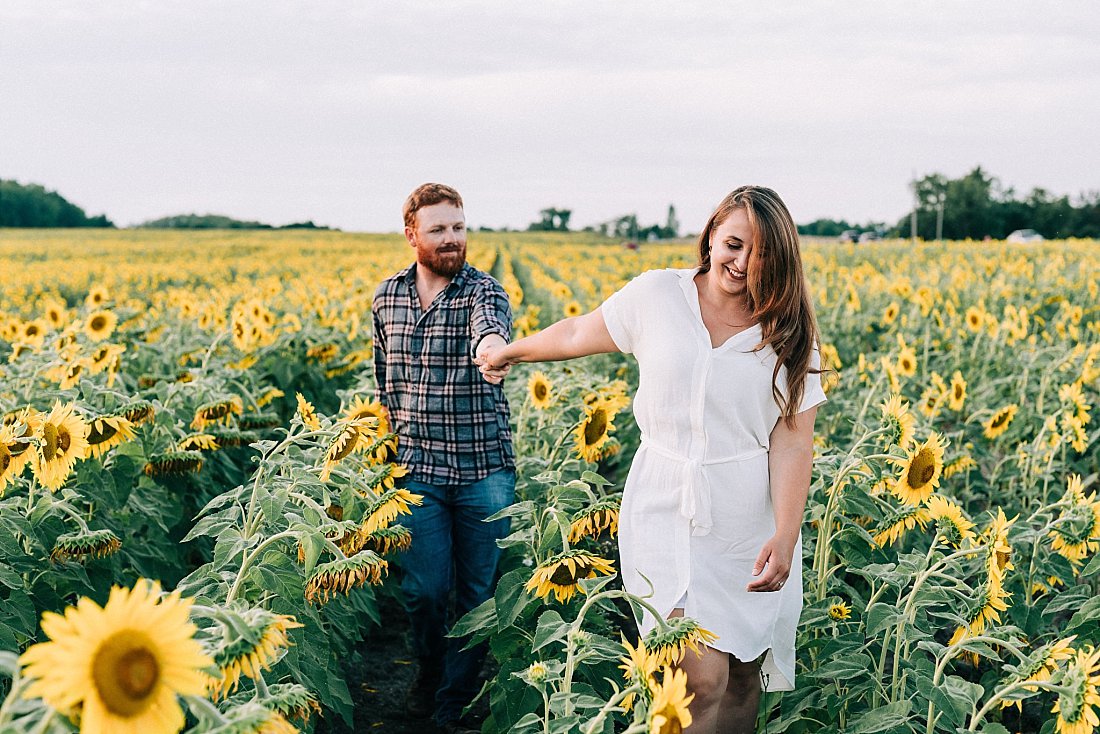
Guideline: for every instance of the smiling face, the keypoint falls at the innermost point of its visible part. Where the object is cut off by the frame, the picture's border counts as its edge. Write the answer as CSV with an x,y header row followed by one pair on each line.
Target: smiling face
x,y
730,246
439,237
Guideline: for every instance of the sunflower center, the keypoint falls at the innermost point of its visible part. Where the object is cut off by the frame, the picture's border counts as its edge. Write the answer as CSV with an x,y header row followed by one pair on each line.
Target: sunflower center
x,y
105,433
562,576
596,427
1000,420
540,391
922,469
958,392
50,441
98,323
126,673
351,438
5,459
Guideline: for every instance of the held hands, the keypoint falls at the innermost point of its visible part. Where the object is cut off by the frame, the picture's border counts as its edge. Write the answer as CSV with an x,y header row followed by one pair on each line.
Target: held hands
x,y
490,359
774,562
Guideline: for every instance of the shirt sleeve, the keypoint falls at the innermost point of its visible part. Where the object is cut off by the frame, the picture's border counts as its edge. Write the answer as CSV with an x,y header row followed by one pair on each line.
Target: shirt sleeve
x,y
813,393
623,311
491,314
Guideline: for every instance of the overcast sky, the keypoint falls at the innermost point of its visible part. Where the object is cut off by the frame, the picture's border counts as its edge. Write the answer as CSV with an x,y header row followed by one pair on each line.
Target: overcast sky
x,y
334,111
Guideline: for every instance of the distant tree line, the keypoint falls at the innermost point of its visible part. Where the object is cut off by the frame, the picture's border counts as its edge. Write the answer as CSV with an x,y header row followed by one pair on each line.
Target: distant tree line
x,y
626,226
218,221
976,206
31,205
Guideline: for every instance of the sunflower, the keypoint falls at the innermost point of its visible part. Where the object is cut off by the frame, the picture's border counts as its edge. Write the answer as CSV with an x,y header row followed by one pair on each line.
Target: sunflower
x,y
259,421
953,526
253,718
572,309
896,417
992,601
120,666
325,352
958,466
307,413
13,455
62,441
932,398
293,701
373,416
998,424
680,634
975,319
540,391
386,508
638,667
108,431
254,646
561,573
56,313
344,574
269,394
897,524
138,412
100,325
593,431
1042,665
536,673
85,544
668,712
383,541
999,551
957,394
1075,706
198,442
593,520
920,471
839,611
340,448
907,362
106,357
230,437
217,411
1076,532
891,313
97,296
173,464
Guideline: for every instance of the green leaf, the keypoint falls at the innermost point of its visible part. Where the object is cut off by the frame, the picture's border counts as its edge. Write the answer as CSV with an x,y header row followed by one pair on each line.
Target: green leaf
x,y
594,479
850,666
482,618
9,663
1092,566
511,597
881,616
551,627
881,719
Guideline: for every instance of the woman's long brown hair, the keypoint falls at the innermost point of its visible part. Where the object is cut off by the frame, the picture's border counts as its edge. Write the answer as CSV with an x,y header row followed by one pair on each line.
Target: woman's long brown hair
x,y
778,296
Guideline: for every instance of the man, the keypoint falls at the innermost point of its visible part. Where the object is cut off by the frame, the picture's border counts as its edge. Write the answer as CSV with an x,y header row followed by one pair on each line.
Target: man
x,y
431,320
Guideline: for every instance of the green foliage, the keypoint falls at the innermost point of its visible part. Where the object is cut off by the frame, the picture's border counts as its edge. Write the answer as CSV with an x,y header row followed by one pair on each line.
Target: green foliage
x,y
31,205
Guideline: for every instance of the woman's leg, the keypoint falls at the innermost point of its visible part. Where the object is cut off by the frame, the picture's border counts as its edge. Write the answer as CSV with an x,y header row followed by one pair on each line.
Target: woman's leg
x,y
741,699
707,678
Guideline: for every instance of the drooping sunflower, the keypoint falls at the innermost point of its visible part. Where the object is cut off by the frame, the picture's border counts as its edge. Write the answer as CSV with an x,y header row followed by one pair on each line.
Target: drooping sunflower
x,y
198,442
62,441
259,421
593,431
958,466
897,524
217,411
386,508
896,417
952,524
593,520
138,412
372,416
1000,421
680,634
85,544
384,541
269,394
173,464
998,559
120,666
230,437
107,431
293,701
106,357
344,574
920,471
561,573
540,390
340,448
668,712
956,396
1077,707
307,413
1042,665
991,602
249,648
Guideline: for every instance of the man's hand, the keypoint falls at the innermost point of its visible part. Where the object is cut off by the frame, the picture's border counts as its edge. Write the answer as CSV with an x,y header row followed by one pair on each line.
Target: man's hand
x,y
775,557
489,361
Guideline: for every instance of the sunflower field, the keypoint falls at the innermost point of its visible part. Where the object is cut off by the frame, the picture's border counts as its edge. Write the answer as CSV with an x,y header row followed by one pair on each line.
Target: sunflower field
x,y
200,515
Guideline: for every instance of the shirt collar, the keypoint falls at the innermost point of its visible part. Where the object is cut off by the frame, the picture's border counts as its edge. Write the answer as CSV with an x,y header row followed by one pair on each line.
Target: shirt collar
x,y
409,275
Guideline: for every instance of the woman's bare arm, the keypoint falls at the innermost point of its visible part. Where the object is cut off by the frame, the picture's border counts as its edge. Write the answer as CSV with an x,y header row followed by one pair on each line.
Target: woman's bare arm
x,y
579,336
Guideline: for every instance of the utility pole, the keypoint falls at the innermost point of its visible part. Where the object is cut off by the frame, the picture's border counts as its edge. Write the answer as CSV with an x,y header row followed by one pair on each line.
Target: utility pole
x,y
941,199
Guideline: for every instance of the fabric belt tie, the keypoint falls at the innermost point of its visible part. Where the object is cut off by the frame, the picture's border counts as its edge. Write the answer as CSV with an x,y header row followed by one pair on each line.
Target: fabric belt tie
x,y
695,500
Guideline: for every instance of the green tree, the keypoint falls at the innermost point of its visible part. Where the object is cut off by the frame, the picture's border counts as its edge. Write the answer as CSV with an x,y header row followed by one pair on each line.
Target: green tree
x,y
31,205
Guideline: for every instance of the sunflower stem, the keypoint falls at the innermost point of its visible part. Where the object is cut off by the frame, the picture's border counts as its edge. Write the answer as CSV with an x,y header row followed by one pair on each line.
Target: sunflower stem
x,y
64,508
250,558
204,709
1010,688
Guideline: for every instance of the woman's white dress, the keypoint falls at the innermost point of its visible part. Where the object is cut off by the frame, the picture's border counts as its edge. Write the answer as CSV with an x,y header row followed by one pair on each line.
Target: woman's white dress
x,y
697,503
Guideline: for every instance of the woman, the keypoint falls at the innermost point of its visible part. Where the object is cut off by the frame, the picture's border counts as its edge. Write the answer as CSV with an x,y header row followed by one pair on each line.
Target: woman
x,y
728,392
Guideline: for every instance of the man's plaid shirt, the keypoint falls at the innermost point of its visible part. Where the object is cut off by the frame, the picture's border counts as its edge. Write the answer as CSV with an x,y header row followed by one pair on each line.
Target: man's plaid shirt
x,y
452,425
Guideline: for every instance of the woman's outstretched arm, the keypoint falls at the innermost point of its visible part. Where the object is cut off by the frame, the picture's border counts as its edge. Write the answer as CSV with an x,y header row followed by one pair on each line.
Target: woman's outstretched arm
x,y
567,339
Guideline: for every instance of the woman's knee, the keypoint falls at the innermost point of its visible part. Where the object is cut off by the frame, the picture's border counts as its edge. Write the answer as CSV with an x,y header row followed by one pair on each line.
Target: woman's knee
x,y
743,678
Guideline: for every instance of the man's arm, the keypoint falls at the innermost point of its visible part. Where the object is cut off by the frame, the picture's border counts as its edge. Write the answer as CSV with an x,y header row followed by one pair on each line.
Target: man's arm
x,y
378,338
490,320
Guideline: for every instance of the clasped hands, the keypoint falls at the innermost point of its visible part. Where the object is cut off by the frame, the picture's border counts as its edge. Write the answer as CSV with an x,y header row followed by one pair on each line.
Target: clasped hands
x,y
489,359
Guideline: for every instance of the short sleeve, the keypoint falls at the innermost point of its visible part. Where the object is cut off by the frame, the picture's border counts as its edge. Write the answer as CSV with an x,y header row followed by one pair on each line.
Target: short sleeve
x,y
623,311
813,393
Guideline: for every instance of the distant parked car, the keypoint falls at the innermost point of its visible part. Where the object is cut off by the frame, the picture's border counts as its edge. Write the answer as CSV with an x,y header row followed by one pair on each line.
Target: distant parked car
x,y
869,237
1024,236
849,235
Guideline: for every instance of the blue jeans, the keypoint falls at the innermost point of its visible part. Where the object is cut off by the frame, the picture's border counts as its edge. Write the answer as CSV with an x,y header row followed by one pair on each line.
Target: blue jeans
x,y
452,546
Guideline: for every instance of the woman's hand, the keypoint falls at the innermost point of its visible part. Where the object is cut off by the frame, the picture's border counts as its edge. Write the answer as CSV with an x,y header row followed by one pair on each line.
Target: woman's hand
x,y
774,562
491,360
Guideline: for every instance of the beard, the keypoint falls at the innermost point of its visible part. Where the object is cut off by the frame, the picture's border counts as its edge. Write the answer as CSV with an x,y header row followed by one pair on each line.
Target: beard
x,y
444,263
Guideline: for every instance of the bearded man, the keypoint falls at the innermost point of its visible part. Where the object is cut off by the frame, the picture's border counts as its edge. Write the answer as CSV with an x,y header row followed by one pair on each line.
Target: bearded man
x,y
431,320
